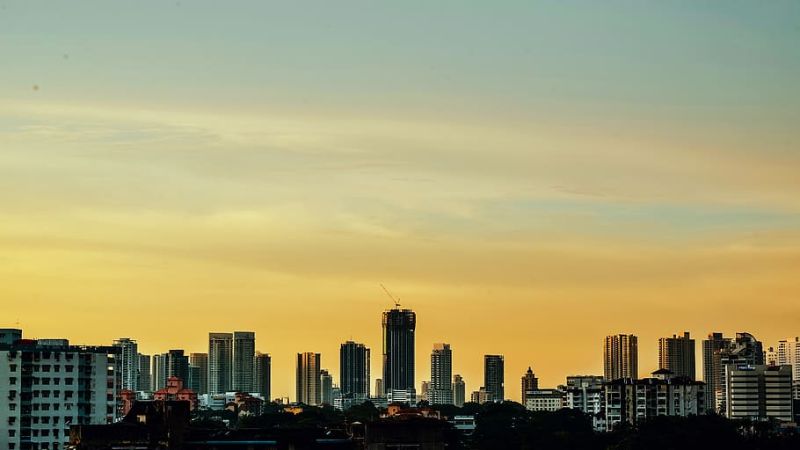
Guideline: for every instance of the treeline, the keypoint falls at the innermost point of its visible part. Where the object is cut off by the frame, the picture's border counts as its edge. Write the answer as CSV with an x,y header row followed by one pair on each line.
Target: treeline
x,y
510,426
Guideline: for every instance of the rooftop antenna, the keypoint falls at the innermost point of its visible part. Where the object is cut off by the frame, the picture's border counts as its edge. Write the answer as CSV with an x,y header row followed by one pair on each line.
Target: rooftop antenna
x,y
395,300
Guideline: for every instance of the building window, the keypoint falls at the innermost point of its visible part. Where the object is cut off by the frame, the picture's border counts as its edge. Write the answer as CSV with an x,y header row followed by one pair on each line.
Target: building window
x,y
12,380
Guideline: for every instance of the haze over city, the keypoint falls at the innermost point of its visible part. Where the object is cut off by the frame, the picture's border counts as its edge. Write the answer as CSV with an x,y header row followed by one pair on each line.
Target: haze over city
x,y
525,176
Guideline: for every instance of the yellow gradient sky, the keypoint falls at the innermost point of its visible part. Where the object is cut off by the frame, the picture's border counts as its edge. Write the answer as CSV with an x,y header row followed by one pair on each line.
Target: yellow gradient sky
x,y
528,177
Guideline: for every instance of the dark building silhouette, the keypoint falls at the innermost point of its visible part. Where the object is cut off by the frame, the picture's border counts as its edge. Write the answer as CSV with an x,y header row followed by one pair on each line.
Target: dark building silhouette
x,y
494,377
398,354
263,375
676,354
354,360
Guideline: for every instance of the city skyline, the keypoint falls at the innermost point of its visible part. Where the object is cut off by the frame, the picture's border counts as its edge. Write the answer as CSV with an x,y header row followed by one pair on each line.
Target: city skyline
x,y
528,177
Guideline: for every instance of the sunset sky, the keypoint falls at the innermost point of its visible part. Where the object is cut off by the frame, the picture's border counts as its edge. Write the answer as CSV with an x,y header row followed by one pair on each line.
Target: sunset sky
x,y
527,176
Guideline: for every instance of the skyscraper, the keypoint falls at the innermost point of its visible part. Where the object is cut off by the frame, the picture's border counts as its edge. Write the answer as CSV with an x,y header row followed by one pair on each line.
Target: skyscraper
x,y
309,389
379,392
354,360
177,365
712,367
220,362
145,380
200,360
743,351
441,387
159,378
677,355
621,357
244,353
494,377
529,384
398,354
326,387
459,390
128,363
788,354
263,375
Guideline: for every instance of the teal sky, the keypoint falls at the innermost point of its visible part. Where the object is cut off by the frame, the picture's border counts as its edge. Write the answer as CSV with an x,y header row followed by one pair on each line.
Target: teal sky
x,y
503,160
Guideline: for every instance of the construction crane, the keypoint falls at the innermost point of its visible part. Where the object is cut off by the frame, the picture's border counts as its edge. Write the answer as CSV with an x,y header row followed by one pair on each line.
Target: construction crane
x,y
395,300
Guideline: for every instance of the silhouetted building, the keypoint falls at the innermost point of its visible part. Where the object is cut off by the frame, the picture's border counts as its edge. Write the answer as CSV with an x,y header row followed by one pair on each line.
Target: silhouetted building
x,y
145,377
494,377
177,365
379,391
621,355
677,355
244,353
744,350
326,387
398,355
713,371
220,362
10,335
309,389
354,361
441,387
264,375
158,379
128,363
459,391
529,384
200,360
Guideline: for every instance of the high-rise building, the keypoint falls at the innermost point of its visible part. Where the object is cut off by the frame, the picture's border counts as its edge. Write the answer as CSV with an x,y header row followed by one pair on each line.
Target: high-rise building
x,y
177,365
398,354
309,389
200,360
263,380
585,393
712,367
145,379
424,390
158,379
220,362
459,390
354,361
193,382
529,384
379,392
621,357
788,354
758,392
481,396
47,385
441,387
677,355
326,387
744,350
128,363
494,377
244,353
771,356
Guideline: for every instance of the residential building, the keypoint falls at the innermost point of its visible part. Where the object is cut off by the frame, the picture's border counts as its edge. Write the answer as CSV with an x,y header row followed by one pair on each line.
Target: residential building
x,y
712,367
494,377
309,389
424,391
263,382
399,327
379,391
128,363
771,356
677,355
758,392
459,390
633,401
788,354
244,353
544,400
585,393
47,385
441,387
200,360
354,366
177,365
220,362
481,396
621,357
175,391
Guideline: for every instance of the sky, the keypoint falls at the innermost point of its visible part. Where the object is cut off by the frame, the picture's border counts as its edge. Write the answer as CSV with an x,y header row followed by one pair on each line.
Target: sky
x,y
527,176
